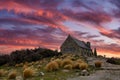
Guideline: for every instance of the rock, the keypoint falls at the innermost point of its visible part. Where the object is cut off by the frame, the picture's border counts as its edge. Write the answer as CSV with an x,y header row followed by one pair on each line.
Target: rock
x,y
77,74
42,74
66,70
84,73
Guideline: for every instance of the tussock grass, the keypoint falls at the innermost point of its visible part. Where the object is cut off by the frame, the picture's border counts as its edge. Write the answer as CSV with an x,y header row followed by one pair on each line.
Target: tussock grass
x,y
52,59
16,65
24,67
68,66
12,74
98,64
52,66
66,62
76,65
2,72
59,62
83,66
39,66
19,65
80,61
28,72
56,67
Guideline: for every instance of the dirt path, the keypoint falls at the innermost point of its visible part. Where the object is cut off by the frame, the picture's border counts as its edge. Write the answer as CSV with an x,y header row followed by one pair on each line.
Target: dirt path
x,y
101,75
109,72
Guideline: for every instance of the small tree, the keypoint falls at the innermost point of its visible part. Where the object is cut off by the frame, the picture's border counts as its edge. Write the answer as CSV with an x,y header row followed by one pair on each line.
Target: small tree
x,y
95,52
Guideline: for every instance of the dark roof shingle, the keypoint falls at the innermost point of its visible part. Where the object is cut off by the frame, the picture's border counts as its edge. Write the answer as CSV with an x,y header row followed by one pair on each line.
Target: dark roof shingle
x,y
80,43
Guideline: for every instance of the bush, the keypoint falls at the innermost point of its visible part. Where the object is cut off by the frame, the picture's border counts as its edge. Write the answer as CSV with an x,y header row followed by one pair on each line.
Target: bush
x,y
83,66
66,62
68,66
12,75
98,64
28,72
114,61
52,66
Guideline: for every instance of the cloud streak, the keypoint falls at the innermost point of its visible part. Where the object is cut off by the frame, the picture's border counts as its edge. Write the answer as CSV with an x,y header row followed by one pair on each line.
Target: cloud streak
x,y
33,23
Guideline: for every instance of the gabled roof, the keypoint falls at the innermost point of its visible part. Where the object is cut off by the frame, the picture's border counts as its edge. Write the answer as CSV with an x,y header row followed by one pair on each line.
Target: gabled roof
x,y
79,43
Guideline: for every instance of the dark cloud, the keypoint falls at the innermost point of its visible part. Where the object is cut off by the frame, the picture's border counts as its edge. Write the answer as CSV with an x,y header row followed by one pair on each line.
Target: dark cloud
x,y
109,48
28,37
112,34
44,4
80,33
92,17
116,11
92,36
81,3
116,3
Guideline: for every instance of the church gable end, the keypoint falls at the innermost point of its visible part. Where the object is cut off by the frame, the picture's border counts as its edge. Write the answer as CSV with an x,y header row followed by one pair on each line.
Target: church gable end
x,y
69,45
75,46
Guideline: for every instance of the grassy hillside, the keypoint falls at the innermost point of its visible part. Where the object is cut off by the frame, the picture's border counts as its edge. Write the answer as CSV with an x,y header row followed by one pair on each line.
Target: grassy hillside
x,y
51,68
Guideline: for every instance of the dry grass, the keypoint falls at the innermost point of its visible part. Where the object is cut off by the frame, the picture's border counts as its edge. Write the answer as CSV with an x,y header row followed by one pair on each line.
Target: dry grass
x,y
98,64
76,65
12,74
80,61
52,66
59,62
37,62
28,72
17,65
69,66
2,72
39,66
66,62
26,63
83,66
24,67
52,59
69,57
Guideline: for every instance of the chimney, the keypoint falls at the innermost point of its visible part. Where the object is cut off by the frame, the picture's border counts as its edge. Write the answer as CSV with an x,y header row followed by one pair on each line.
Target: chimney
x,y
88,44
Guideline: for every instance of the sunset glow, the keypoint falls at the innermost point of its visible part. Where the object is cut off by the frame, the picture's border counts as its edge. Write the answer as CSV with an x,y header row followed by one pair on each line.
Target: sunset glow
x,y
46,23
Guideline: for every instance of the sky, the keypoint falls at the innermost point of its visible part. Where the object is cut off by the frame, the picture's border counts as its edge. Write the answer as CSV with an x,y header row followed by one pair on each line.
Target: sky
x,y
46,23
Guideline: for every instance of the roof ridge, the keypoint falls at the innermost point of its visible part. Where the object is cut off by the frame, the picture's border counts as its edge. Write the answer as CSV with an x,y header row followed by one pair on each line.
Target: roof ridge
x,y
79,42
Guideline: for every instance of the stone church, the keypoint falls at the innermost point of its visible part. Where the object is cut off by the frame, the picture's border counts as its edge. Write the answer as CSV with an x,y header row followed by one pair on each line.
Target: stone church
x,y
74,46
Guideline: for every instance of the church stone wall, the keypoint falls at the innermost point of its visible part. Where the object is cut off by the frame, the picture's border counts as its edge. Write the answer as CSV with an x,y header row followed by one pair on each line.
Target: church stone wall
x,y
71,47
